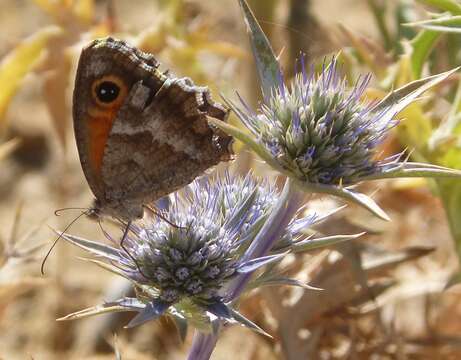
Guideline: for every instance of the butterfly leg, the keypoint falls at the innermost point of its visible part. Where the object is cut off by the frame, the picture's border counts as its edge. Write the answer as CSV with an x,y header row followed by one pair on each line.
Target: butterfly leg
x,y
122,245
125,235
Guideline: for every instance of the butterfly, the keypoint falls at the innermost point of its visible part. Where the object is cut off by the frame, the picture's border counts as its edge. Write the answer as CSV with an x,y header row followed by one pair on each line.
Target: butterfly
x,y
141,133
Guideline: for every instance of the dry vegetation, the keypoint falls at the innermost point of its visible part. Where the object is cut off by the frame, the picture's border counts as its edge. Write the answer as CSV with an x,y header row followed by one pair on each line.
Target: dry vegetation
x,y
391,306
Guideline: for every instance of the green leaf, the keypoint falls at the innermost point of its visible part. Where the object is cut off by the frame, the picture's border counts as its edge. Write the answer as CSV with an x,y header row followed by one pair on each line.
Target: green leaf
x,y
151,311
452,6
450,193
266,61
422,46
399,99
110,307
311,244
451,24
413,169
93,247
346,194
254,264
326,215
242,320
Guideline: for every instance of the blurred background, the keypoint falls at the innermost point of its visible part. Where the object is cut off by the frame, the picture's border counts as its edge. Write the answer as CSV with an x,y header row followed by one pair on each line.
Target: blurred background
x,y
383,296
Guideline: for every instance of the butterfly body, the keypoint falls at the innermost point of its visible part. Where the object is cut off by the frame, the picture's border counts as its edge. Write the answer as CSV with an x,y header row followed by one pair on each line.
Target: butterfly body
x,y
140,134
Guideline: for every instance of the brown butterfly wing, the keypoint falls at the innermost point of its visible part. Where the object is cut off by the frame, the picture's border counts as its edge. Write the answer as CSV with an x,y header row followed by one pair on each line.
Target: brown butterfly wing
x,y
154,149
101,59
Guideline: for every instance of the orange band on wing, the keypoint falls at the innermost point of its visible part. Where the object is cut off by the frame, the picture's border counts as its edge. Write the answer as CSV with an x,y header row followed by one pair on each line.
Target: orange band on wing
x,y
101,117
99,129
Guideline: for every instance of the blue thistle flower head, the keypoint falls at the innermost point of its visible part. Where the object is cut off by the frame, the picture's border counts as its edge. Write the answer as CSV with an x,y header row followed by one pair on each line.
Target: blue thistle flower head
x,y
198,245
318,130
182,262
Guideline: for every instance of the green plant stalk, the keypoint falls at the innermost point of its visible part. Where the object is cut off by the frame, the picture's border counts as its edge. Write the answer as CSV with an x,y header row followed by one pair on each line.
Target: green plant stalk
x,y
422,44
450,194
453,6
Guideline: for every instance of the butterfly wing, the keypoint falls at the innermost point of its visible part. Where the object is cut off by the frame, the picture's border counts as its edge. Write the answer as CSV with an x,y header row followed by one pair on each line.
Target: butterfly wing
x,y
111,61
160,142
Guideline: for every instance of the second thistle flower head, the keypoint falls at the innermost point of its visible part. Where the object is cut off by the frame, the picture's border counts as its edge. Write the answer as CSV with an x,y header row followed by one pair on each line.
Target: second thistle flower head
x,y
318,130
198,247
181,262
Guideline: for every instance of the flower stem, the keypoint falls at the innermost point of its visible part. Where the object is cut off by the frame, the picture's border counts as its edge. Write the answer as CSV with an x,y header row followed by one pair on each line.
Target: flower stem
x,y
202,346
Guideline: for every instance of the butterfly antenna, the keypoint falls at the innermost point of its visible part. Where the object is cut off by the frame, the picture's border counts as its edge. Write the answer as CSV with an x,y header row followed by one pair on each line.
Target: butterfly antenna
x,y
105,233
42,267
60,211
